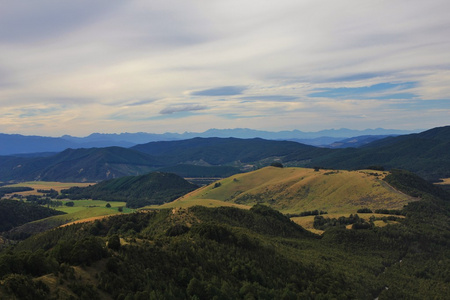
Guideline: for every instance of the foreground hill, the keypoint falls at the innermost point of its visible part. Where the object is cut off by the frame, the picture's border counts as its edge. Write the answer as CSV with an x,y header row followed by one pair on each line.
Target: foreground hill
x,y
229,253
426,153
294,190
137,191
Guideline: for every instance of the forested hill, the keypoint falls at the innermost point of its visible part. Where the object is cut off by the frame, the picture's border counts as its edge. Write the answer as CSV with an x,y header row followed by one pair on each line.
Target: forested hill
x,y
426,154
137,191
93,164
229,253
218,151
15,213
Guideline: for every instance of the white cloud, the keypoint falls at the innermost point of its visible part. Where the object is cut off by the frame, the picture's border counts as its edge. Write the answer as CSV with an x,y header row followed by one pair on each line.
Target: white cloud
x,y
107,56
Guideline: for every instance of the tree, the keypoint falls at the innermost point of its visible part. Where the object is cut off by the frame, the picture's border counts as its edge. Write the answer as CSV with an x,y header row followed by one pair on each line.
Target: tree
x,y
70,203
120,209
108,205
276,164
114,242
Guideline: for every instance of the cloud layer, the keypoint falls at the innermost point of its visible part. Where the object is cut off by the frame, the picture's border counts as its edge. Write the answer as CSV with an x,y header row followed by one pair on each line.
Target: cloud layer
x,y
114,66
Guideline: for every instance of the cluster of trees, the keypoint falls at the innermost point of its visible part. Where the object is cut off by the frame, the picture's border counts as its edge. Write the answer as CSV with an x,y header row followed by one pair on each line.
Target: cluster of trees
x,y
322,223
397,212
315,212
15,189
385,211
51,193
39,200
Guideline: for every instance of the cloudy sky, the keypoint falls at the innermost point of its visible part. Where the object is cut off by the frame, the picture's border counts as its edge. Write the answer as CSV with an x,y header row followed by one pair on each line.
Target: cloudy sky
x,y
78,67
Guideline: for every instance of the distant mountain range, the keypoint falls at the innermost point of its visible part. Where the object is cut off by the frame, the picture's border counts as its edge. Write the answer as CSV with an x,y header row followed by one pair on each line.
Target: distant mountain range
x,y
21,144
425,153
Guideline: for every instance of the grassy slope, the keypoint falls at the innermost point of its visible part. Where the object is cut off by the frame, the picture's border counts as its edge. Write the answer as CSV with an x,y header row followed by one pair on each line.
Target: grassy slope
x,y
293,190
85,209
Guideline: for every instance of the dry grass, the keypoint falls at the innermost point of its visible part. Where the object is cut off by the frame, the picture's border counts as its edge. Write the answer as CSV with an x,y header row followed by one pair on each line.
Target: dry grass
x,y
293,190
46,185
307,222
445,181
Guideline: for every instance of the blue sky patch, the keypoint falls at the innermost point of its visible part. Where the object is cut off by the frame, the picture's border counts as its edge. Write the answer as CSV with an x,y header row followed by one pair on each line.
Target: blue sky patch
x,y
381,91
281,98
221,91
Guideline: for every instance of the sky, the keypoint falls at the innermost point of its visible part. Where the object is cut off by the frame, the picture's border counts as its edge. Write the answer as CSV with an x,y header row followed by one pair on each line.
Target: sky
x,y
78,67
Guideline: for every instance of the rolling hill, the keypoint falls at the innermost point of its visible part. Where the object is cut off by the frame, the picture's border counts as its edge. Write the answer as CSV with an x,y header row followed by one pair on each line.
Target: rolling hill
x,y
220,151
426,153
294,190
78,165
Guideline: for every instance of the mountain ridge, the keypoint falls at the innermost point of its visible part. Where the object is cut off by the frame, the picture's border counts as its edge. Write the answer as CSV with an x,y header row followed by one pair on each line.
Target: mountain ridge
x,y
425,153
22,144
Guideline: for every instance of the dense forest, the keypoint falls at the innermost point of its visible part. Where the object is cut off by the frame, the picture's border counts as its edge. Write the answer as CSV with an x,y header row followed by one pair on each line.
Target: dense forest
x,y
15,213
229,253
137,191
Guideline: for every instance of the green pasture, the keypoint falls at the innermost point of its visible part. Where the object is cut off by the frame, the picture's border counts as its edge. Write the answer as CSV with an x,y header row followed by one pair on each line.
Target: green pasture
x,y
84,209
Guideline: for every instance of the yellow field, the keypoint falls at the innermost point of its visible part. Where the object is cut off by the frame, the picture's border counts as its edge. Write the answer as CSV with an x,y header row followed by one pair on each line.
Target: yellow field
x,y
47,185
188,202
445,181
82,209
294,190
308,221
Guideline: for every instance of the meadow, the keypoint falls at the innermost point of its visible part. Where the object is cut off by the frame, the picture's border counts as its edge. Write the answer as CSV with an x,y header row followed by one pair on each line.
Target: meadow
x,y
81,209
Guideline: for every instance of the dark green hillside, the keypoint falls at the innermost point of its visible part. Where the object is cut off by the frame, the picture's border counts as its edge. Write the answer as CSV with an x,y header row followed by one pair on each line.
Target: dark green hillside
x,y
426,154
92,164
137,191
219,151
15,213
185,170
415,186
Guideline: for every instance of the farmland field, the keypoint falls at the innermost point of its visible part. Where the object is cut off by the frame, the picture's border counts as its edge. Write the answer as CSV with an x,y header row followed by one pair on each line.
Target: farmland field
x,y
82,209
46,185
307,221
